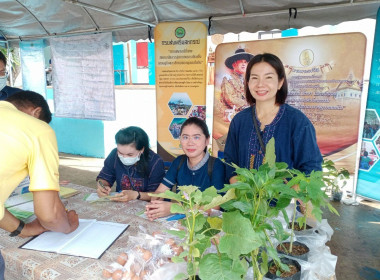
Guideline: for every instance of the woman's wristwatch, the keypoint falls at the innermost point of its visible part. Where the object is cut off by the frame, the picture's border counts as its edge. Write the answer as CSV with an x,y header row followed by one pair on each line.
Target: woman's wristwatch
x,y
18,230
138,195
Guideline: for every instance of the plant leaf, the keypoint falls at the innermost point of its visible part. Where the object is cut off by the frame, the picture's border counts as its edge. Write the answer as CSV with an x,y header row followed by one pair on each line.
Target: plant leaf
x,y
218,200
200,220
270,154
179,233
188,189
215,222
197,197
168,194
239,236
176,208
208,194
332,209
213,267
243,206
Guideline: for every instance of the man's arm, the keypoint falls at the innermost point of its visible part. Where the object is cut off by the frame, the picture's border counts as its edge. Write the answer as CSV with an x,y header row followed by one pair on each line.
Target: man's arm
x,y
51,212
10,223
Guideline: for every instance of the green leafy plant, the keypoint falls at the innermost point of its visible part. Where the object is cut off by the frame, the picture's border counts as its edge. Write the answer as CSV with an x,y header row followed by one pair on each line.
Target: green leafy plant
x,y
335,179
250,225
250,220
199,229
13,60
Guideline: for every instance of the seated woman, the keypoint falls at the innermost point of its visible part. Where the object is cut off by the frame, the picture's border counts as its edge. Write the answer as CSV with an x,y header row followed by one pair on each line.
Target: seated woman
x,y
136,169
191,168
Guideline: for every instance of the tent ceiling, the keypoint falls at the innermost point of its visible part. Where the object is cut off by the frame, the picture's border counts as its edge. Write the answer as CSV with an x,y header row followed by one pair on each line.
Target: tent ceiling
x,y
129,19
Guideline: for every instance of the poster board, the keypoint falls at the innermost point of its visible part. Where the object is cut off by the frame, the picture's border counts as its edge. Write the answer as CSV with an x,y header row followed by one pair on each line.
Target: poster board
x,y
180,52
368,183
325,81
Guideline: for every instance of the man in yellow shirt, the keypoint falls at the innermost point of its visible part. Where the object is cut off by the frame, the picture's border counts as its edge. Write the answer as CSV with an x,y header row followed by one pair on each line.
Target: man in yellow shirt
x,y
28,146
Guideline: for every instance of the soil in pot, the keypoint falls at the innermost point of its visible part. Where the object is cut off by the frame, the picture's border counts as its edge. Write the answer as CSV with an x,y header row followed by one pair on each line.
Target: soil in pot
x,y
299,250
293,274
297,227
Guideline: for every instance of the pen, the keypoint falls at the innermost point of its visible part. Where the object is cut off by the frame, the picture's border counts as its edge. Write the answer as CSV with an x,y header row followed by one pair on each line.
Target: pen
x,y
101,184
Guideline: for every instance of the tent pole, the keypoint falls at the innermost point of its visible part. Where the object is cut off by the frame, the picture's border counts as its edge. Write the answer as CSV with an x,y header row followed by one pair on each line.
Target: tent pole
x,y
91,18
129,65
43,27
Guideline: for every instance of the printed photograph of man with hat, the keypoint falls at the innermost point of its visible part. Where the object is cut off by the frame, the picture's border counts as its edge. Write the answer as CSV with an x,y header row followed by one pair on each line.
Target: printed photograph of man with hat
x,y
232,87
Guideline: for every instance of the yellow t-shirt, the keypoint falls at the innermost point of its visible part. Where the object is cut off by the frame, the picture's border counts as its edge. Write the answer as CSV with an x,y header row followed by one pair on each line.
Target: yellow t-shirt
x,y
27,146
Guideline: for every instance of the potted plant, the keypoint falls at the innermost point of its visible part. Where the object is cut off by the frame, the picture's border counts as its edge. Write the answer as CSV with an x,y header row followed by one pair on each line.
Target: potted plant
x,y
310,192
251,224
199,230
250,220
335,179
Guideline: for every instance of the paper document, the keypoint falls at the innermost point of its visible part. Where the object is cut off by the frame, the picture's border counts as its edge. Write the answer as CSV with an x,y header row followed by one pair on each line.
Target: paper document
x,y
93,197
91,239
65,192
22,211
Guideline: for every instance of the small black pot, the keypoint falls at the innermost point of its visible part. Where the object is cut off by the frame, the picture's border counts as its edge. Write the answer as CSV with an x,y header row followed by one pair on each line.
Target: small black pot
x,y
296,276
301,257
337,196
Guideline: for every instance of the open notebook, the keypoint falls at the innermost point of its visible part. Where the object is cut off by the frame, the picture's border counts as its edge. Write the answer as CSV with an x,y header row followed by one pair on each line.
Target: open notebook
x,y
91,239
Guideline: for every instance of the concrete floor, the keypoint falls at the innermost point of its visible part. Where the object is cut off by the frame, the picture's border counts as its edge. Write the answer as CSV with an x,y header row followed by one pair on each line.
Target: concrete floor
x,y
356,238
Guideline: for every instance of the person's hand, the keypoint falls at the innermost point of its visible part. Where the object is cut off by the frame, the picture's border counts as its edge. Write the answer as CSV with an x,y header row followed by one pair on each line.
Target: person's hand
x,y
73,218
32,229
152,198
103,191
125,196
157,209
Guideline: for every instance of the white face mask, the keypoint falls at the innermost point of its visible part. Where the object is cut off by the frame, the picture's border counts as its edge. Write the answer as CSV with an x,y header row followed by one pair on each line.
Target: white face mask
x,y
129,160
3,82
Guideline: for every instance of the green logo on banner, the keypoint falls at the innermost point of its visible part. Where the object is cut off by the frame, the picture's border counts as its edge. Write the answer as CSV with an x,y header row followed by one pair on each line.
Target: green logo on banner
x,y
180,32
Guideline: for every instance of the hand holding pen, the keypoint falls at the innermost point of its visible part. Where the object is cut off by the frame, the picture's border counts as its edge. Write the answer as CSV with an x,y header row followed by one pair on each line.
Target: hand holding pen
x,y
102,190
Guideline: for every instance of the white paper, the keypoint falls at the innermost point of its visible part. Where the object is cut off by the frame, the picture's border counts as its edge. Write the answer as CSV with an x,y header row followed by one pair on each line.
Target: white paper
x,y
89,240
83,77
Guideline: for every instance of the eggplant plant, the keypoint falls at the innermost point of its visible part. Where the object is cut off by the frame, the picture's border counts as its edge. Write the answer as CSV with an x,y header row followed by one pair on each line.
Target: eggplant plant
x,y
250,225
198,232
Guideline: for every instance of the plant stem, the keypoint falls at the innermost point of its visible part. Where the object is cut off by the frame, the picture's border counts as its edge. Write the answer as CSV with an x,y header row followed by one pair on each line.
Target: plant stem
x,y
304,226
292,232
256,269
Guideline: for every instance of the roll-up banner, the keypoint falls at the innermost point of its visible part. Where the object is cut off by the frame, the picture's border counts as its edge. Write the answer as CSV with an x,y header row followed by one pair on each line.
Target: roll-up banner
x,y
180,53
325,81
368,184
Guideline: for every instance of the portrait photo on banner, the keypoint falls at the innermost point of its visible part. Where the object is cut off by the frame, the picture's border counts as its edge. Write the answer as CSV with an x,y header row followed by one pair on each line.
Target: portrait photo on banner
x,y
322,82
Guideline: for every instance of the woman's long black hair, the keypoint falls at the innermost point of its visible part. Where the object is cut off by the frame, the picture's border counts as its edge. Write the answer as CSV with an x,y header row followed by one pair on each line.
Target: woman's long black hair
x,y
138,137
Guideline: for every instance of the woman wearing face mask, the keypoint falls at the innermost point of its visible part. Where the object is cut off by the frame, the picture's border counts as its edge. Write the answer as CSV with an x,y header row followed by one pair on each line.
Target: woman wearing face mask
x,y
136,169
196,167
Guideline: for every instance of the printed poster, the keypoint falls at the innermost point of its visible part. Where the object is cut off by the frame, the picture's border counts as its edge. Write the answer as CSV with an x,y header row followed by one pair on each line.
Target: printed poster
x,y
83,77
368,184
180,52
325,80
33,66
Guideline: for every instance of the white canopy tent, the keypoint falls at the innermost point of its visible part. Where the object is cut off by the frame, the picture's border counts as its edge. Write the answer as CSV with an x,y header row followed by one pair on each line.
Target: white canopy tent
x,y
131,19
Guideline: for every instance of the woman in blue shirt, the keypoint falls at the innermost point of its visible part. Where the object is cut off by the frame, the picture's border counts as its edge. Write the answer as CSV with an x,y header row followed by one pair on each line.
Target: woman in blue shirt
x,y
136,169
295,140
191,168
